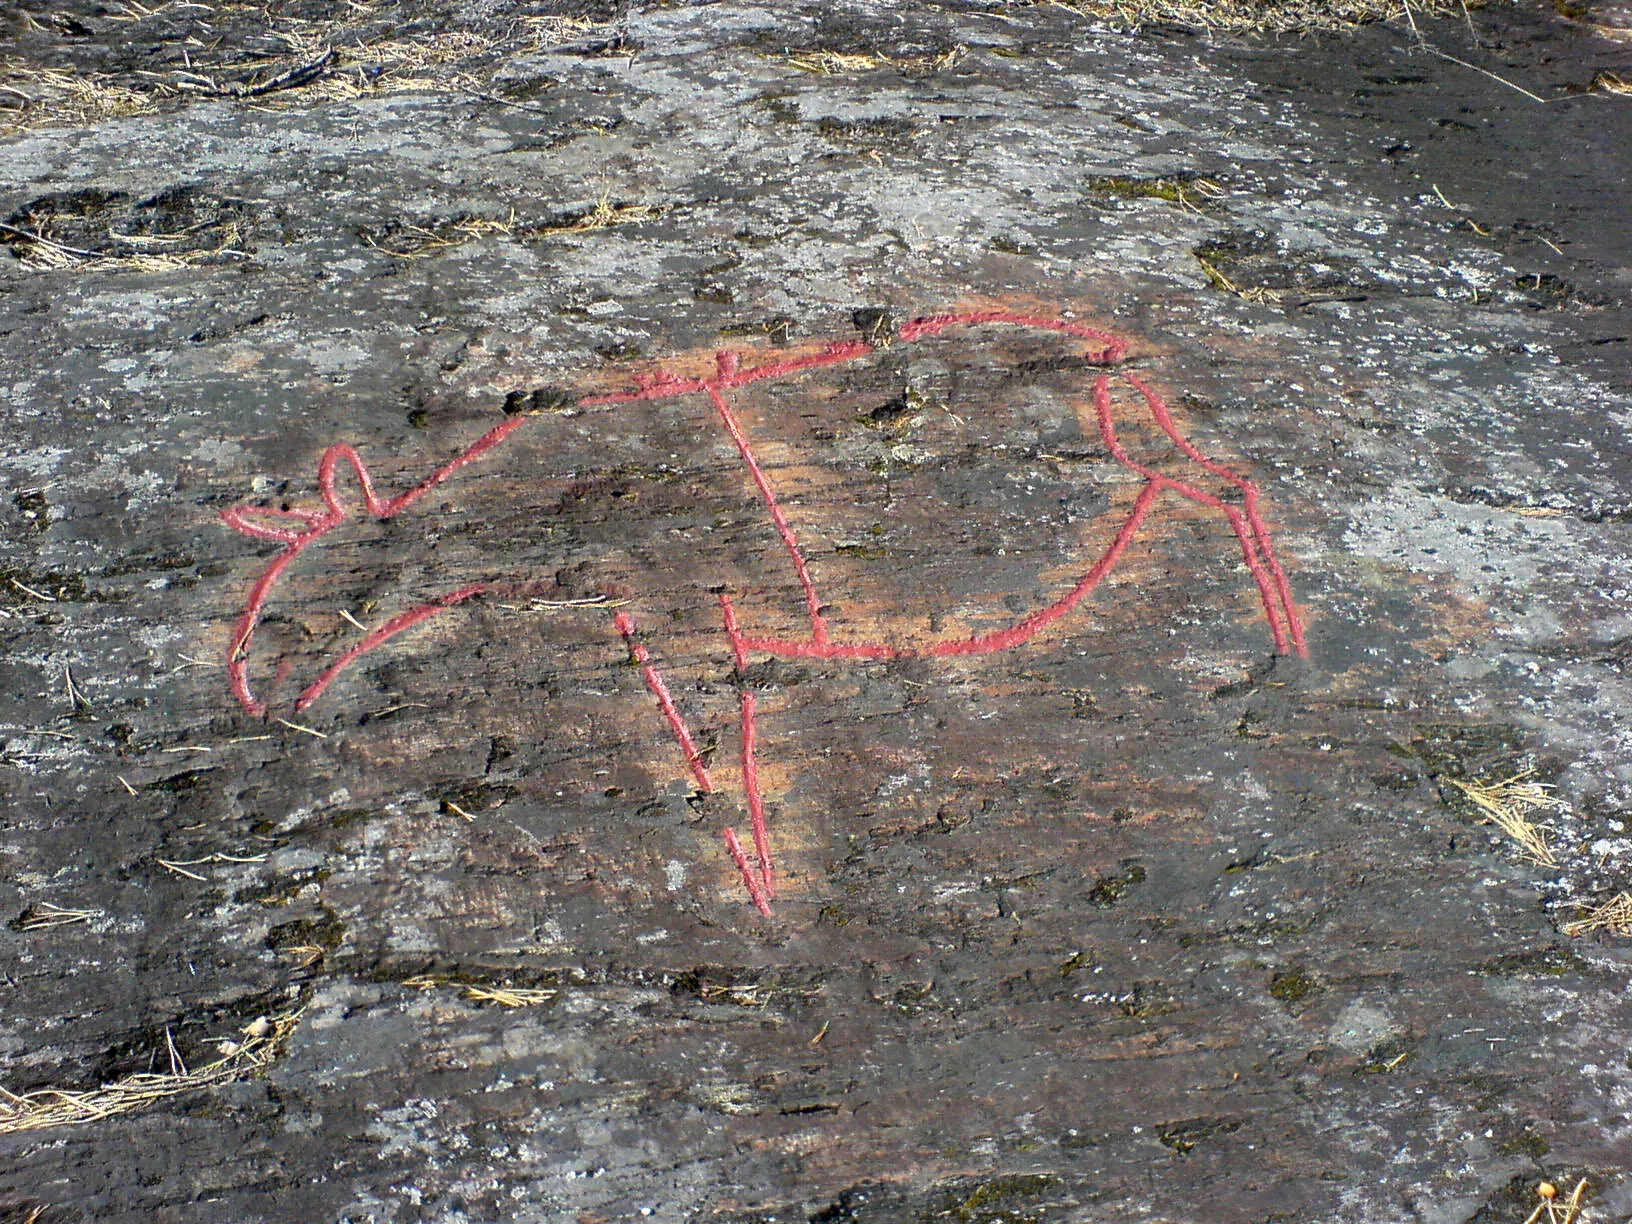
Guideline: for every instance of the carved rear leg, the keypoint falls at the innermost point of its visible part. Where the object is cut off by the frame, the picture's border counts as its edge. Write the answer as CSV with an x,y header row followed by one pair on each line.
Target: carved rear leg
x,y
759,880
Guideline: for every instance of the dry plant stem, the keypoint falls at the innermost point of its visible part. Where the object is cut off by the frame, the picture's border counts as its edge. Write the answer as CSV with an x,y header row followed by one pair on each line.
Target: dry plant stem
x,y
29,236
301,727
417,242
834,63
561,605
180,866
1551,1210
1260,296
260,1043
504,996
79,100
1508,804
43,916
1241,17
37,251
329,60
1474,225
1486,72
1614,916
76,698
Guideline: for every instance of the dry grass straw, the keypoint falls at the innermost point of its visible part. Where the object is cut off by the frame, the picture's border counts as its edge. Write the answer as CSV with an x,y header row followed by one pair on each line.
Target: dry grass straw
x,y
839,63
1258,294
331,60
1614,83
38,251
510,996
304,955
751,995
1550,1211
72,99
604,215
1260,16
1510,804
341,59
1175,189
561,605
42,916
180,866
503,996
1614,916
419,242
256,1046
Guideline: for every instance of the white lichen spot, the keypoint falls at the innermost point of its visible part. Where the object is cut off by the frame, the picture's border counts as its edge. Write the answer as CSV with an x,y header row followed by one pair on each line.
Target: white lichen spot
x,y
674,874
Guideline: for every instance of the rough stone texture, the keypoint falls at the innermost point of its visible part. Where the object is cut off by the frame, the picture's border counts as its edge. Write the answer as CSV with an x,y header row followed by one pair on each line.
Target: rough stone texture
x,y
1139,921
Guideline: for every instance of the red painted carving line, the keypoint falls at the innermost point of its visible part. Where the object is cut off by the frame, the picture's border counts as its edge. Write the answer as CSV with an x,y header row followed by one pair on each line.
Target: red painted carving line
x,y
933,325
756,890
1024,631
244,633
306,526
315,524
1254,535
1249,496
750,762
312,525
662,385
665,702
739,651
1250,530
756,801
1260,575
1249,527
1107,427
731,375
384,634
813,603
1003,639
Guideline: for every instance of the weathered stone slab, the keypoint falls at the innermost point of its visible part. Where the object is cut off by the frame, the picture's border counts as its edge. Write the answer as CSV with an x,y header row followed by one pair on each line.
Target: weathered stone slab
x,y
1161,901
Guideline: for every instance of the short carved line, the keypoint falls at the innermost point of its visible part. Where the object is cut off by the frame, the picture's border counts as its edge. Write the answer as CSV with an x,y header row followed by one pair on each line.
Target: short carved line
x,y
665,702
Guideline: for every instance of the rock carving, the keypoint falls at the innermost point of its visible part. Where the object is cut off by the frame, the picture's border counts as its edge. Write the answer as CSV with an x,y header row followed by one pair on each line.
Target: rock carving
x,y
296,530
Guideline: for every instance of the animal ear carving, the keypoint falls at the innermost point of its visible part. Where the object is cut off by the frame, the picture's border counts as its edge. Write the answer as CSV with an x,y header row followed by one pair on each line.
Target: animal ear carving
x,y
339,502
342,498
268,522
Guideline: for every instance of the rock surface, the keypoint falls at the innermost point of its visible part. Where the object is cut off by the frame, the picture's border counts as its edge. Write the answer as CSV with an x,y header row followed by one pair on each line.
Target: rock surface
x,y
1142,918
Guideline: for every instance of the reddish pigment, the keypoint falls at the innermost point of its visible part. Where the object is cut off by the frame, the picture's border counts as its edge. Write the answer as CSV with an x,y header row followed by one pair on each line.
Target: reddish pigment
x,y
296,530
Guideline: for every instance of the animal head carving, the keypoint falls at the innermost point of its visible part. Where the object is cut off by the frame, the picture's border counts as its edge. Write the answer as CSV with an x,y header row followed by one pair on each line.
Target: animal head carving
x,y
298,529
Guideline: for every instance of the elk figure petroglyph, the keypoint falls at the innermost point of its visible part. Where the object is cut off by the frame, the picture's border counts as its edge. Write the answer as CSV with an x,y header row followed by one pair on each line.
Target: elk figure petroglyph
x,y
1100,351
